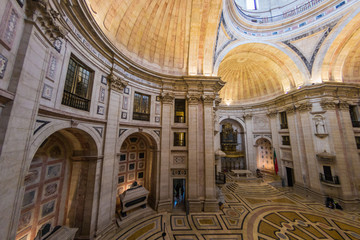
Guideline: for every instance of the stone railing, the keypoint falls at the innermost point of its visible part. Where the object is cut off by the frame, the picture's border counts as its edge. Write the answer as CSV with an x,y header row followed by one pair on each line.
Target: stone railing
x,y
287,14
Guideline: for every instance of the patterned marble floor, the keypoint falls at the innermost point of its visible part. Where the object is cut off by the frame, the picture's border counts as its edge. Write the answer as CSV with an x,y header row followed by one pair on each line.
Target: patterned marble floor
x,y
252,210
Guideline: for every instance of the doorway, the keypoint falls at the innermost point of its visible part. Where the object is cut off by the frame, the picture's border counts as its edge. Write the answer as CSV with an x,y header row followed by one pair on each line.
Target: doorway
x,y
290,176
179,193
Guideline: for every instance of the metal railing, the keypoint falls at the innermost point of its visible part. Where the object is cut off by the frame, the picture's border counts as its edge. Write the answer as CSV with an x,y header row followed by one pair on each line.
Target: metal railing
x,y
287,14
329,179
141,116
283,126
75,101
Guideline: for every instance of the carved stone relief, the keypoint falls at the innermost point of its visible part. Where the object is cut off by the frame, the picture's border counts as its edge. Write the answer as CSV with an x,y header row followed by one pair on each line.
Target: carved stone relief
x,y
261,122
179,159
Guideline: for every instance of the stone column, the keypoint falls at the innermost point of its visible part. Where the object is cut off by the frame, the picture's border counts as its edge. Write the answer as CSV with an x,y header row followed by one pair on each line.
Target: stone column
x,y
193,179
109,173
250,153
306,147
274,126
300,173
17,123
347,159
210,204
167,100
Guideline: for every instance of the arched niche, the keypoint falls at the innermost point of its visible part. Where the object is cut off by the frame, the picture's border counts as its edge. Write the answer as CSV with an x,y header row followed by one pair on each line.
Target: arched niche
x,y
264,155
59,184
138,161
232,141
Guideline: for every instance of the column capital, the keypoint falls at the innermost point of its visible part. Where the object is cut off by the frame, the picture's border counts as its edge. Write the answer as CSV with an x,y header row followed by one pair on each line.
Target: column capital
x,y
272,113
328,104
167,97
47,17
343,105
302,107
117,83
208,99
193,98
290,109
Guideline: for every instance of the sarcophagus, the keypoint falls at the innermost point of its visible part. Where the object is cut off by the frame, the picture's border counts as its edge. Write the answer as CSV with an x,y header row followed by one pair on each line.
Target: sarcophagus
x,y
133,198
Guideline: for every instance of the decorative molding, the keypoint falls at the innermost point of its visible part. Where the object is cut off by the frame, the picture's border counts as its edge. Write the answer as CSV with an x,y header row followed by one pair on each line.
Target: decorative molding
x,y
121,131
218,85
99,130
178,172
179,159
123,115
42,124
167,97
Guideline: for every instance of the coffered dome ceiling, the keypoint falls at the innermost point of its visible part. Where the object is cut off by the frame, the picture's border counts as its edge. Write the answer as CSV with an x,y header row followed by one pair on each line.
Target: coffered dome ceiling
x,y
168,36
254,72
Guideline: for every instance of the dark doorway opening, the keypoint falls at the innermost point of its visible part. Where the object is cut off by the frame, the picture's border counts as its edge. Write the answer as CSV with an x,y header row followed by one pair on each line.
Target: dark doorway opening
x,y
179,194
290,176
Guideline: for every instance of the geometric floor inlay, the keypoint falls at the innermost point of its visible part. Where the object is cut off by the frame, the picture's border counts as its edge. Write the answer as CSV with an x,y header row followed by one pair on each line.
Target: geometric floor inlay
x,y
206,222
179,222
252,211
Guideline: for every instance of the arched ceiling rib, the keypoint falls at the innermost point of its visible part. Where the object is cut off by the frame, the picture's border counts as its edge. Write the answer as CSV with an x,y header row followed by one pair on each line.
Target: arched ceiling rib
x,y
168,36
